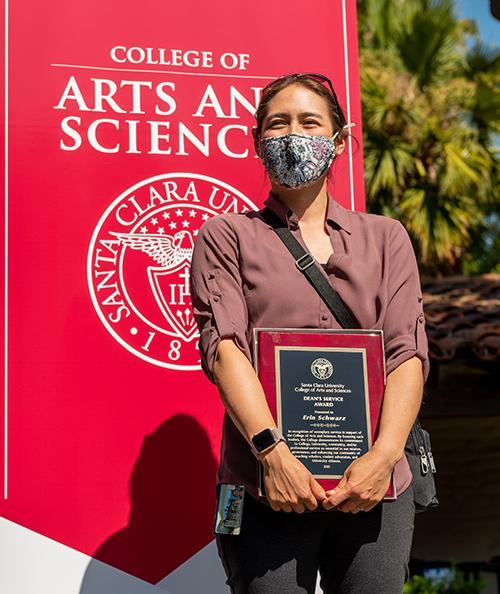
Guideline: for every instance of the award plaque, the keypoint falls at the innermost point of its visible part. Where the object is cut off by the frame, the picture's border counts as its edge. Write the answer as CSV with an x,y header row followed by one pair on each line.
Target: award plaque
x,y
325,390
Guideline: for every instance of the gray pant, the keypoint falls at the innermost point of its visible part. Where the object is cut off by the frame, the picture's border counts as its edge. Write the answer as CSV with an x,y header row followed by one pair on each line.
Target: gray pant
x,y
279,552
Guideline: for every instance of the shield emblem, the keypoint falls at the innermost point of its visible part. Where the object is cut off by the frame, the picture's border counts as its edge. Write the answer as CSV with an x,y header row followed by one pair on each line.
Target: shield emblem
x,y
171,292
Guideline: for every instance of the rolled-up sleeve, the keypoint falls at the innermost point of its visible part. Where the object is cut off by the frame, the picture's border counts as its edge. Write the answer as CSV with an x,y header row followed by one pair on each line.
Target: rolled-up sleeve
x,y
217,297
404,322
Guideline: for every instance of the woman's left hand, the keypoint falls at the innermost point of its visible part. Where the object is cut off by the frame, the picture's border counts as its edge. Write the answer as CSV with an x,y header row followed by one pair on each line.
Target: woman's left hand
x,y
363,485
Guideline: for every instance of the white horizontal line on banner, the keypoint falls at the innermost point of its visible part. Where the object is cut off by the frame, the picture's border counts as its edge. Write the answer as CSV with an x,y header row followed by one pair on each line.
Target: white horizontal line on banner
x,y
210,74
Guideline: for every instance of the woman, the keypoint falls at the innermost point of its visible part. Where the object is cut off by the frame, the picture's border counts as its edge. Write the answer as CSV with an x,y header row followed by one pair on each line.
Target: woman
x,y
242,276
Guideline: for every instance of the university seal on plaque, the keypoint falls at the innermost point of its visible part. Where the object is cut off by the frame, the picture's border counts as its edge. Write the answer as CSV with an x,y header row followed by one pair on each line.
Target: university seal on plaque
x,y
321,368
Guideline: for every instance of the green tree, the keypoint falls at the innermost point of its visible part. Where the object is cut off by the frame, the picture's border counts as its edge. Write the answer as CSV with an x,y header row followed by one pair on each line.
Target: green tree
x,y
430,115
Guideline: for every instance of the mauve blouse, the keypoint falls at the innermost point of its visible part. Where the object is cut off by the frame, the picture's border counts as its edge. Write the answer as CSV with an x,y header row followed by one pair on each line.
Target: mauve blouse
x,y
243,276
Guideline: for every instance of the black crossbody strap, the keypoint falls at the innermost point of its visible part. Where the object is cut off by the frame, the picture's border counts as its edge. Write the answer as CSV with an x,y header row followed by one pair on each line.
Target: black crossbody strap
x,y
306,264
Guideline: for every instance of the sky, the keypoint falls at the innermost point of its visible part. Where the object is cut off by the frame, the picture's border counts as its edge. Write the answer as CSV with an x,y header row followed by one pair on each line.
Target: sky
x,y
489,27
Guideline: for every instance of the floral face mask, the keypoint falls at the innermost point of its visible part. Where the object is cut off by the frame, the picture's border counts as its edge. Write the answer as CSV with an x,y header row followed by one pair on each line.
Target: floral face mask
x,y
298,160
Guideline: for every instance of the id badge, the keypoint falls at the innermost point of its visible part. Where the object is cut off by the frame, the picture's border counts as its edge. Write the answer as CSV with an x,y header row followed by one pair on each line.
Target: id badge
x,y
229,509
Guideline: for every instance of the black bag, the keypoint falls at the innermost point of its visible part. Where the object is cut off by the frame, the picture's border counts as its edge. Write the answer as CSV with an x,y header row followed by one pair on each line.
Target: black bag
x,y
418,445
419,454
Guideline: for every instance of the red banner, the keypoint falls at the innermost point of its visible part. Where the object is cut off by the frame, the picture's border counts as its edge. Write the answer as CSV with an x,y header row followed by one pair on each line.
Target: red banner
x,y
126,127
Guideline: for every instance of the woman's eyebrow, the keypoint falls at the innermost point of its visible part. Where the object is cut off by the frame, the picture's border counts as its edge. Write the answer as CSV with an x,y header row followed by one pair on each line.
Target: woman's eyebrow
x,y
278,114
308,114
284,114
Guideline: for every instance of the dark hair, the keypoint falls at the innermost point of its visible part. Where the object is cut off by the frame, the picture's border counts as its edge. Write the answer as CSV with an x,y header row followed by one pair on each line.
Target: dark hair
x,y
336,113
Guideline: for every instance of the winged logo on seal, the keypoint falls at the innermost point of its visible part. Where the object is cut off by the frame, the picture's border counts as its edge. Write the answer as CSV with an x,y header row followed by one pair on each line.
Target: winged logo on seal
x,y
173,254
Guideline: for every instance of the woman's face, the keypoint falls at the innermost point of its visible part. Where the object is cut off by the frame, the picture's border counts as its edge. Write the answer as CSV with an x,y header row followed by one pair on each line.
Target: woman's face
x,y
296,109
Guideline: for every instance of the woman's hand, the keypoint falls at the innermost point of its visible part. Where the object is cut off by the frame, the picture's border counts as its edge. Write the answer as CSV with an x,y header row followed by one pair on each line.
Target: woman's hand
x,y
289,485
364,484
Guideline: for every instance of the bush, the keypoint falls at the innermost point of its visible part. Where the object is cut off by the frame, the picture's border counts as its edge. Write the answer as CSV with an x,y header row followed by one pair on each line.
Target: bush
x,y
454,583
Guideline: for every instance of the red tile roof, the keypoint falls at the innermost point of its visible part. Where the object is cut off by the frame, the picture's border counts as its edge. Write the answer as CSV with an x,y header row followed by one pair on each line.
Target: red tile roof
x,y
463,317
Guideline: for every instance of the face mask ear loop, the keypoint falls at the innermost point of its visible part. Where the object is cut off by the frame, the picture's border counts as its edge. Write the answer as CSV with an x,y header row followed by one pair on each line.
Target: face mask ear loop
x,y
343,128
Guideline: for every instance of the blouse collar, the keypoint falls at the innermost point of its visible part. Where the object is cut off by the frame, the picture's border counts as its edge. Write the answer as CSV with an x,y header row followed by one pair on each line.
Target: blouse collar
x,y
335,212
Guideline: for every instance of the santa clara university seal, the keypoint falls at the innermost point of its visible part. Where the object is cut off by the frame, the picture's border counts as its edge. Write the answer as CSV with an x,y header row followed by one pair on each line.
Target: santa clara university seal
x,y
139,261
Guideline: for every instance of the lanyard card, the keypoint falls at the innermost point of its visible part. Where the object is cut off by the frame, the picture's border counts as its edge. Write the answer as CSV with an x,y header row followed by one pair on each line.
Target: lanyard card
x,y
229,509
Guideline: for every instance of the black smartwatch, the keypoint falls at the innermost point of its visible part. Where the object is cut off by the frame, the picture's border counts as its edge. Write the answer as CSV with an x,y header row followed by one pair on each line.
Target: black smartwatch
x,y
265,439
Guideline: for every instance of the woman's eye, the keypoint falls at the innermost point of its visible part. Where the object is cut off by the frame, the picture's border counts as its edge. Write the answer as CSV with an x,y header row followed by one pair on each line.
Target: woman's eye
x,y
310,123
276,123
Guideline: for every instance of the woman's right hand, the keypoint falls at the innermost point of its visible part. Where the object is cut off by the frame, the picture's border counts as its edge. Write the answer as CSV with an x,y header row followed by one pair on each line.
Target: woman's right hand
x,y
289,485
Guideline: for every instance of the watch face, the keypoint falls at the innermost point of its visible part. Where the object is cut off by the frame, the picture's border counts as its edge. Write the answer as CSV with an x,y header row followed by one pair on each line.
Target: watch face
x,y
263,440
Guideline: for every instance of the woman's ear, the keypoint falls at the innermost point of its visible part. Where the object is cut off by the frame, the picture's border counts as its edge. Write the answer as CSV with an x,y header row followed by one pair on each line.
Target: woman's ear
x,y
255,135
340,146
